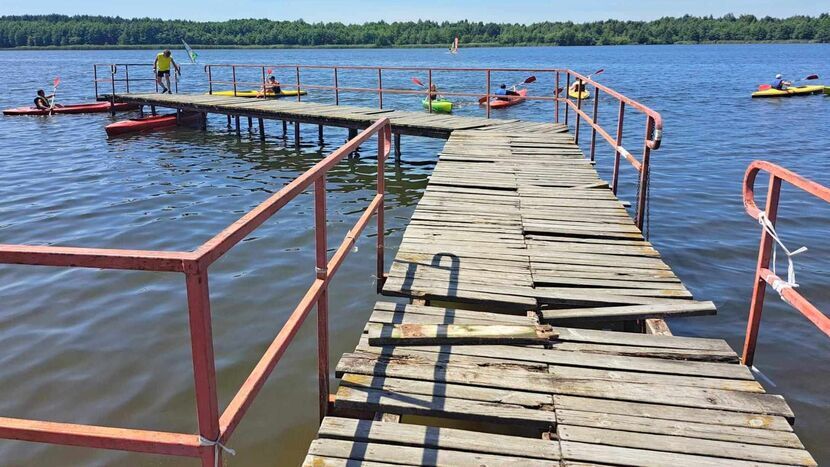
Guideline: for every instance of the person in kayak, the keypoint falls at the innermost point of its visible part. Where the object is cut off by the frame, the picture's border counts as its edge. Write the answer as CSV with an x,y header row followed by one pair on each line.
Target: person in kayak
x,y
503,91
433,92
161,67
272,86
780,84
42,101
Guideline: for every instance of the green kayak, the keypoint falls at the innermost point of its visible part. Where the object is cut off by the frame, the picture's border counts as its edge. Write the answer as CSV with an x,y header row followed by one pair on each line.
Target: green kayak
x,y
438,105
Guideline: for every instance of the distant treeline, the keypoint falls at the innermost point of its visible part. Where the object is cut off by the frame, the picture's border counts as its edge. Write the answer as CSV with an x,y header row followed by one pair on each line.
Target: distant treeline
x,y
64,31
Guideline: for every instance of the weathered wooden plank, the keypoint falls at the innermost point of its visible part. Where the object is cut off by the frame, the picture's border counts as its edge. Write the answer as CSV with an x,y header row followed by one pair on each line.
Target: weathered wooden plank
x,y
614,455
671,412
678,444
438,438
407,455
460,334
697,429
436,406
690,308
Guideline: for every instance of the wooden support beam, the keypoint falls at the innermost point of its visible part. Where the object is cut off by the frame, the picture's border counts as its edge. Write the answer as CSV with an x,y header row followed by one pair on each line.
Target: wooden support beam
x,y
261,130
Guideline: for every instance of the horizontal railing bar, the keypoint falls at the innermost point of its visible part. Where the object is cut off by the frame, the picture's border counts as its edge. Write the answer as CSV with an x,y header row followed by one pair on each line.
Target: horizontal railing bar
x,y
793,298
789,176
214,248
373,68
91,436
612,141
103,258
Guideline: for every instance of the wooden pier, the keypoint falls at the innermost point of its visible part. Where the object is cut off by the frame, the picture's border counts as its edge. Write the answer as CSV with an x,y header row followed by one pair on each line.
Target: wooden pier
x,y
522,268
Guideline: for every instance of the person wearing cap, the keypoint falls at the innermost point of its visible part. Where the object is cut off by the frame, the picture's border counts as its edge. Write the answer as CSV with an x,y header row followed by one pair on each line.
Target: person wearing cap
x,y
779,83
161,67
503,91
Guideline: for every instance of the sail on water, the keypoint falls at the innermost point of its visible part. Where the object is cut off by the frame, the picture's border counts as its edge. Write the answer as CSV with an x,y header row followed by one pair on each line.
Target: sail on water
x,y
190,53
454,46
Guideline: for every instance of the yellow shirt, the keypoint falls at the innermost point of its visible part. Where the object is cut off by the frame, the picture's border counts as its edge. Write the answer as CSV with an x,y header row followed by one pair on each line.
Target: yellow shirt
x,y
162,62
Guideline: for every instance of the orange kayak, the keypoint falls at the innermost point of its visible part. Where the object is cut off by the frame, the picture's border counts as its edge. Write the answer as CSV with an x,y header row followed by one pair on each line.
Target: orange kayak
x,y
507,101
72,109
150,123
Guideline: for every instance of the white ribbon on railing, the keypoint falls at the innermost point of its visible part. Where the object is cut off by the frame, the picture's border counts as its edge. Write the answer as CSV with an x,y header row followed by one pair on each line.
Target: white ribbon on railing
x,y
779,285
206,442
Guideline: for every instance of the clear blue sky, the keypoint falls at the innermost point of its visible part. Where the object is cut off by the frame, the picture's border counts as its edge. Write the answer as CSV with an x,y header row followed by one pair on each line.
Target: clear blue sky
x,y
358,11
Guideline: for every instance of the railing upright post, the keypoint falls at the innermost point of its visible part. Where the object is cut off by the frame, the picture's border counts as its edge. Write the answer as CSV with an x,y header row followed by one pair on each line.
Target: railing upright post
x,y
323,301
380,88
429,91
556,100
233,78
487,94
594,119
210,78
113,69
204,366
580,85
95,79
264,82
384,141
127,77
616,173
299,98
644,169
336,89
567,100
758,291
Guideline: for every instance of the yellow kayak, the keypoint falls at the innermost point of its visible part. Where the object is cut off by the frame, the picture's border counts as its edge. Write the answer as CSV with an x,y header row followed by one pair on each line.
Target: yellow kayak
x,y
572,92
793,91
251,93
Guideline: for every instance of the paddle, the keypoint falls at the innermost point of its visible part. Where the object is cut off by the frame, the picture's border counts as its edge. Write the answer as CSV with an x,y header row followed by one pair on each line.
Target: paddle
x,y
55,84
528,80
418,82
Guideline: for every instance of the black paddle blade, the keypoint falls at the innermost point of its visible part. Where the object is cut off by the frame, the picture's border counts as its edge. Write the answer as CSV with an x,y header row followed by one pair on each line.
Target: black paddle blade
x,y
811,77
530,79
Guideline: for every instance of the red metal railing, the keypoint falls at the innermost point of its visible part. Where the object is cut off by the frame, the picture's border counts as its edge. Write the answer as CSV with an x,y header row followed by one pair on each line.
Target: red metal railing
x,y
214,429
653,120
113,82
763,274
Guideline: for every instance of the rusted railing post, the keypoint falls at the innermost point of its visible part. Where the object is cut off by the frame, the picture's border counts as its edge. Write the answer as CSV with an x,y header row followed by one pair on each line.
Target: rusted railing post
x,y
594,119
336,89
95,79
556,100
264,83
616,172
204,369
580,85
209,70
323,301
299,98
113,70
127,77
643,194
760,287
567,95
233,76
380,88
384,140
429,91
487,93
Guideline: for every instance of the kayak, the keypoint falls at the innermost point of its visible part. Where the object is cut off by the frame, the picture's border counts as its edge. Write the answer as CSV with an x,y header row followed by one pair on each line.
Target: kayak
x,y
827,90
498,103
149,123
438,105
578,95
252,93
792,91
72,109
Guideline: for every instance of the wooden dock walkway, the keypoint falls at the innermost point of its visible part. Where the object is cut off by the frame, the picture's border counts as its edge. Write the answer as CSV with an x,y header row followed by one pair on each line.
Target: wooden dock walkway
x,y
516,232
403,122
519,260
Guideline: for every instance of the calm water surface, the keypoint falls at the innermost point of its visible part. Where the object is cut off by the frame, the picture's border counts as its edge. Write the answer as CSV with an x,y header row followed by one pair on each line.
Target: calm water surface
x,y
111,347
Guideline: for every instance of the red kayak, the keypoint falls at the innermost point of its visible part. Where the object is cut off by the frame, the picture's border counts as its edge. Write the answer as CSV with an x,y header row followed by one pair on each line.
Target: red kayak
x,y
72,109
498,103
150,123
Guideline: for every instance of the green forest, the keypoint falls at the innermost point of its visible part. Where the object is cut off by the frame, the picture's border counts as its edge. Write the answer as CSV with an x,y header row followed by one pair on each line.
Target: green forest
x,y
76,31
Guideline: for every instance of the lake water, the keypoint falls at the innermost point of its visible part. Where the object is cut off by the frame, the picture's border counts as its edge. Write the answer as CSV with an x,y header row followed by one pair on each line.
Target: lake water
x,y
111,347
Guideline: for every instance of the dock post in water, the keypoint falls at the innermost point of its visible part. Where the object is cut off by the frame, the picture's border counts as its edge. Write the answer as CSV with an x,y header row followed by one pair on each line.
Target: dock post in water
x,y
284,129
261,129
320,134
238,131
250,125
397,147
229,121
296,133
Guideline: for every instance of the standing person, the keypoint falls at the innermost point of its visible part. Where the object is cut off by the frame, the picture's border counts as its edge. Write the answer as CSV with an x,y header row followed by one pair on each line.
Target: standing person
x,y
161,67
